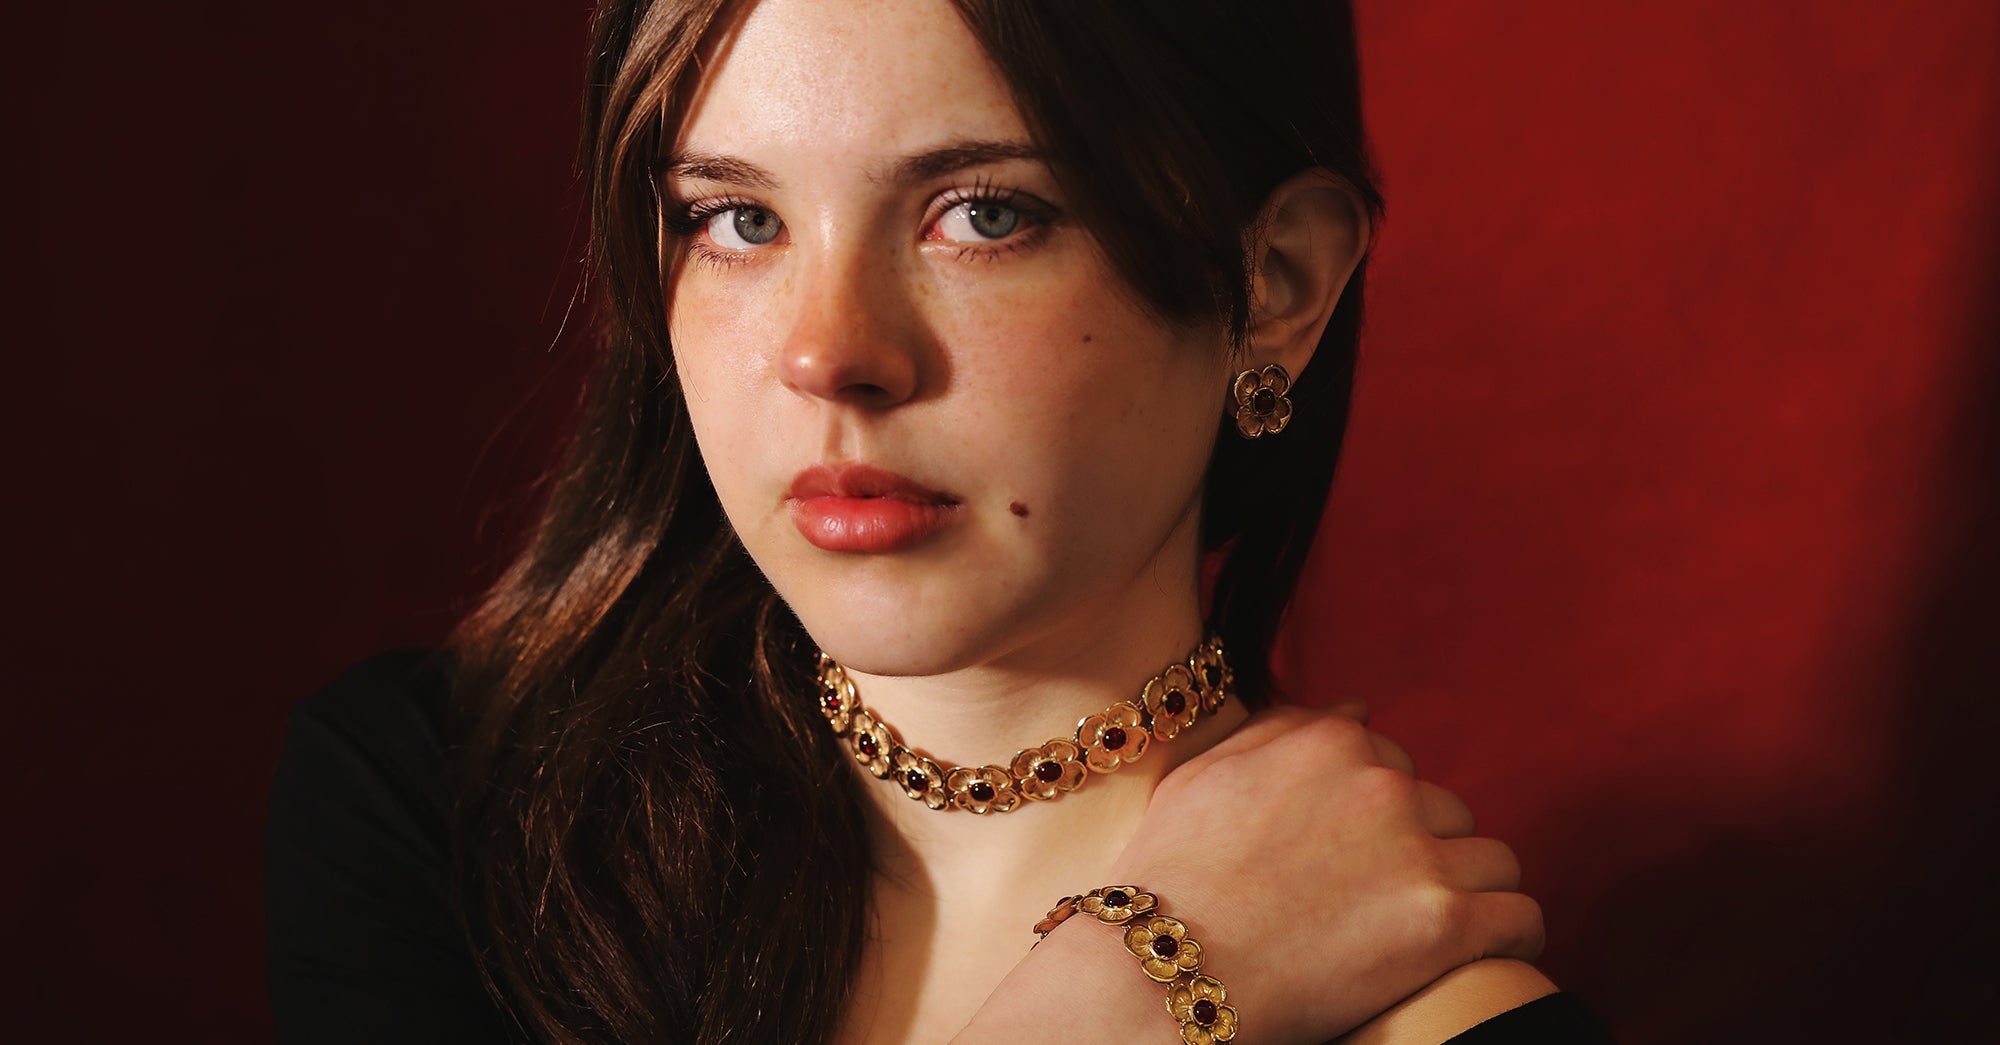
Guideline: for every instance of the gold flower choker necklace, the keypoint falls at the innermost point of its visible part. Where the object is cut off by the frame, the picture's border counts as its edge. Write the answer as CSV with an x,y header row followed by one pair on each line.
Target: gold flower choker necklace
x,y
1168,703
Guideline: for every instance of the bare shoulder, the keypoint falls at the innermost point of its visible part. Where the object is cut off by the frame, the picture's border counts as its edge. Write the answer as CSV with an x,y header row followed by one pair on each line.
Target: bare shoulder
x,y
1455,1002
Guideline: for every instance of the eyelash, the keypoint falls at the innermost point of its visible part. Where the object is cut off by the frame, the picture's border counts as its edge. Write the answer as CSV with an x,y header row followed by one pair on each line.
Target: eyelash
x,y
1040,217
695,217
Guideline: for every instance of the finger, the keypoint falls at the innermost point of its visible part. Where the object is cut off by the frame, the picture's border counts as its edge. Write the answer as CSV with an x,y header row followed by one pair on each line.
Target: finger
x,y
1391,754
1480,865
1261,728
1442,813
1505,925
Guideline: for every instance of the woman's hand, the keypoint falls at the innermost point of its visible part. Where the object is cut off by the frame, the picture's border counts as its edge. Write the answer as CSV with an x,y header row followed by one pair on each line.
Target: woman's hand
x,y
1323,880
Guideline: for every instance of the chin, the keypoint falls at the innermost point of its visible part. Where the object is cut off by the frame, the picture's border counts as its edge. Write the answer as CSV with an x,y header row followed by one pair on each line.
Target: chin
x,y
929,628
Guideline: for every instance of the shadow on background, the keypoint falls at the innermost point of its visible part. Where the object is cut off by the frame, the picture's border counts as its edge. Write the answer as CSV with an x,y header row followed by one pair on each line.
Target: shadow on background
x,y
1879,925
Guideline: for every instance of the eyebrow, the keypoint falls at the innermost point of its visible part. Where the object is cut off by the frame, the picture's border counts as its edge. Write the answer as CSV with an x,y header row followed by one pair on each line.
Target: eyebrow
x,y
921,167
707,167
956,157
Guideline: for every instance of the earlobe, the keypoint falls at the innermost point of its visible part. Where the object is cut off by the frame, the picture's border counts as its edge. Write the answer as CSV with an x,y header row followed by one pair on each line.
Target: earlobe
x,y
1310,236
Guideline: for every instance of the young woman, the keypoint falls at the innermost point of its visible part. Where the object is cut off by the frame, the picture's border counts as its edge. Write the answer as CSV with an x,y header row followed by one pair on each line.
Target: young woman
x,y
973,380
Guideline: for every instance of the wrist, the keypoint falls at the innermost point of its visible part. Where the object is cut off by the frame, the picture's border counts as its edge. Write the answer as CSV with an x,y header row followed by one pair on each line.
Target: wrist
x,y
1079,982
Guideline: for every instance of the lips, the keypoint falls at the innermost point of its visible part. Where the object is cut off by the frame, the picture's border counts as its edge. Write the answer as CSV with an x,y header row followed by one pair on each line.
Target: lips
x,y
862,509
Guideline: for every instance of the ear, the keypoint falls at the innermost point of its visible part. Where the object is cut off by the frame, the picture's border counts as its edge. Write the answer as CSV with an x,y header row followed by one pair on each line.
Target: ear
x,y
1309,237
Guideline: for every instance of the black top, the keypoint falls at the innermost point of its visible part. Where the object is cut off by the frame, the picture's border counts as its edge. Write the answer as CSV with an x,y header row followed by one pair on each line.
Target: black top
x,y
365,944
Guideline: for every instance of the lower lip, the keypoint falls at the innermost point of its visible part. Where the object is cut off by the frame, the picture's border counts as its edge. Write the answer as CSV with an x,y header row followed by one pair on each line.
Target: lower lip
x,y
868,524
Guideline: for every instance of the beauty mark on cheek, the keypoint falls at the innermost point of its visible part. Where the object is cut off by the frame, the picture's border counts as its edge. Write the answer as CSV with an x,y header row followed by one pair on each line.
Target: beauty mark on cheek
x,y
1018,509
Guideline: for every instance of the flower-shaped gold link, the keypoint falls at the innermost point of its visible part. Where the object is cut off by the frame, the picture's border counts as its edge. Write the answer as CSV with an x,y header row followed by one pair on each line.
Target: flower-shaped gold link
x,y
1197,1005
871,742
1213,678
982,789
1114,737
1171,701
1163,947
1042,773
921,778
1057,915
1118,904
837,699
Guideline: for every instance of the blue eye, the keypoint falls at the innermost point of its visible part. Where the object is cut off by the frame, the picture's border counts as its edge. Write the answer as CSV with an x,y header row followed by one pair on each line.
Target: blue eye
x,y
976,220
741,228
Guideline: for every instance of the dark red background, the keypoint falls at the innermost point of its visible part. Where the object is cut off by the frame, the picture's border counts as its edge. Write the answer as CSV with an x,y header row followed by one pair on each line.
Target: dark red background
x,y
1667,532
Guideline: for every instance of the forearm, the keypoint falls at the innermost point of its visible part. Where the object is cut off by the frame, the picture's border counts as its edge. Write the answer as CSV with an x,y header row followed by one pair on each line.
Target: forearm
x,y
1454,1003
1078,984
1085,984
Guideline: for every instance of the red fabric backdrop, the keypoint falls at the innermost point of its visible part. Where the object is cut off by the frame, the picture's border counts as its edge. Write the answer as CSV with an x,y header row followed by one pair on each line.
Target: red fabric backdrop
x,y
1666,535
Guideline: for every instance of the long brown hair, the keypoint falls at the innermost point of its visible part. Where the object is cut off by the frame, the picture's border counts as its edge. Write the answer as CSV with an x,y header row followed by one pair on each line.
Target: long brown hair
x,y
633,725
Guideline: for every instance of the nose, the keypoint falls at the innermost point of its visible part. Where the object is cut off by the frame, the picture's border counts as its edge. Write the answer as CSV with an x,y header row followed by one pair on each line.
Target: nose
x,y
856,339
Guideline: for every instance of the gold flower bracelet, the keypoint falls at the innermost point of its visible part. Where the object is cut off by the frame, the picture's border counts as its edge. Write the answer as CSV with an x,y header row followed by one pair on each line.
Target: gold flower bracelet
x,y
1166,954
1168,703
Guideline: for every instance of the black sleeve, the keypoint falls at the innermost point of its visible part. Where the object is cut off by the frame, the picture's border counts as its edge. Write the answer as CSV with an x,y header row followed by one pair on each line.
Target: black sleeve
x,y
365,940
1555,1019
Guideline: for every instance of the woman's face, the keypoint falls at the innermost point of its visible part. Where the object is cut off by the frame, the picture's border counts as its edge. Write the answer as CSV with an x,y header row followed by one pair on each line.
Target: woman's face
x,y
875,271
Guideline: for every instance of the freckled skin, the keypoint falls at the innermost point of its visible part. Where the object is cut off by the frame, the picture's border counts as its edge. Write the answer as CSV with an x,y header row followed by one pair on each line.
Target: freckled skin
x,y
871,329
956,368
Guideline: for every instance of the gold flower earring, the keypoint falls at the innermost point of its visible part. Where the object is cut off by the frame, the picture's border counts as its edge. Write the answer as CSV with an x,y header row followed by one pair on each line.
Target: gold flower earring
x,y
1261,403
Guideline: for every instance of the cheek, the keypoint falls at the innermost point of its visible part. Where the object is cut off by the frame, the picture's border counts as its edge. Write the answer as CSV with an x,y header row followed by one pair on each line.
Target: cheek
x,y
719,325
1102,417
1063,342
719,329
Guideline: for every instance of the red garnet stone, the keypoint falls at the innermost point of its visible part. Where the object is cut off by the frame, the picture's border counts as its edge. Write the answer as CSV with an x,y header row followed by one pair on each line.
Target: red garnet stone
x,y
866,743
981,791
1264,401
1113,739
1048,772
1175,702
1204,1012
1166,946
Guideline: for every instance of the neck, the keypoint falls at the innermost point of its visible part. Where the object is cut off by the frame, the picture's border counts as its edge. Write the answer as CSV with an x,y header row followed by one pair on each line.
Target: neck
x,y
982,715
